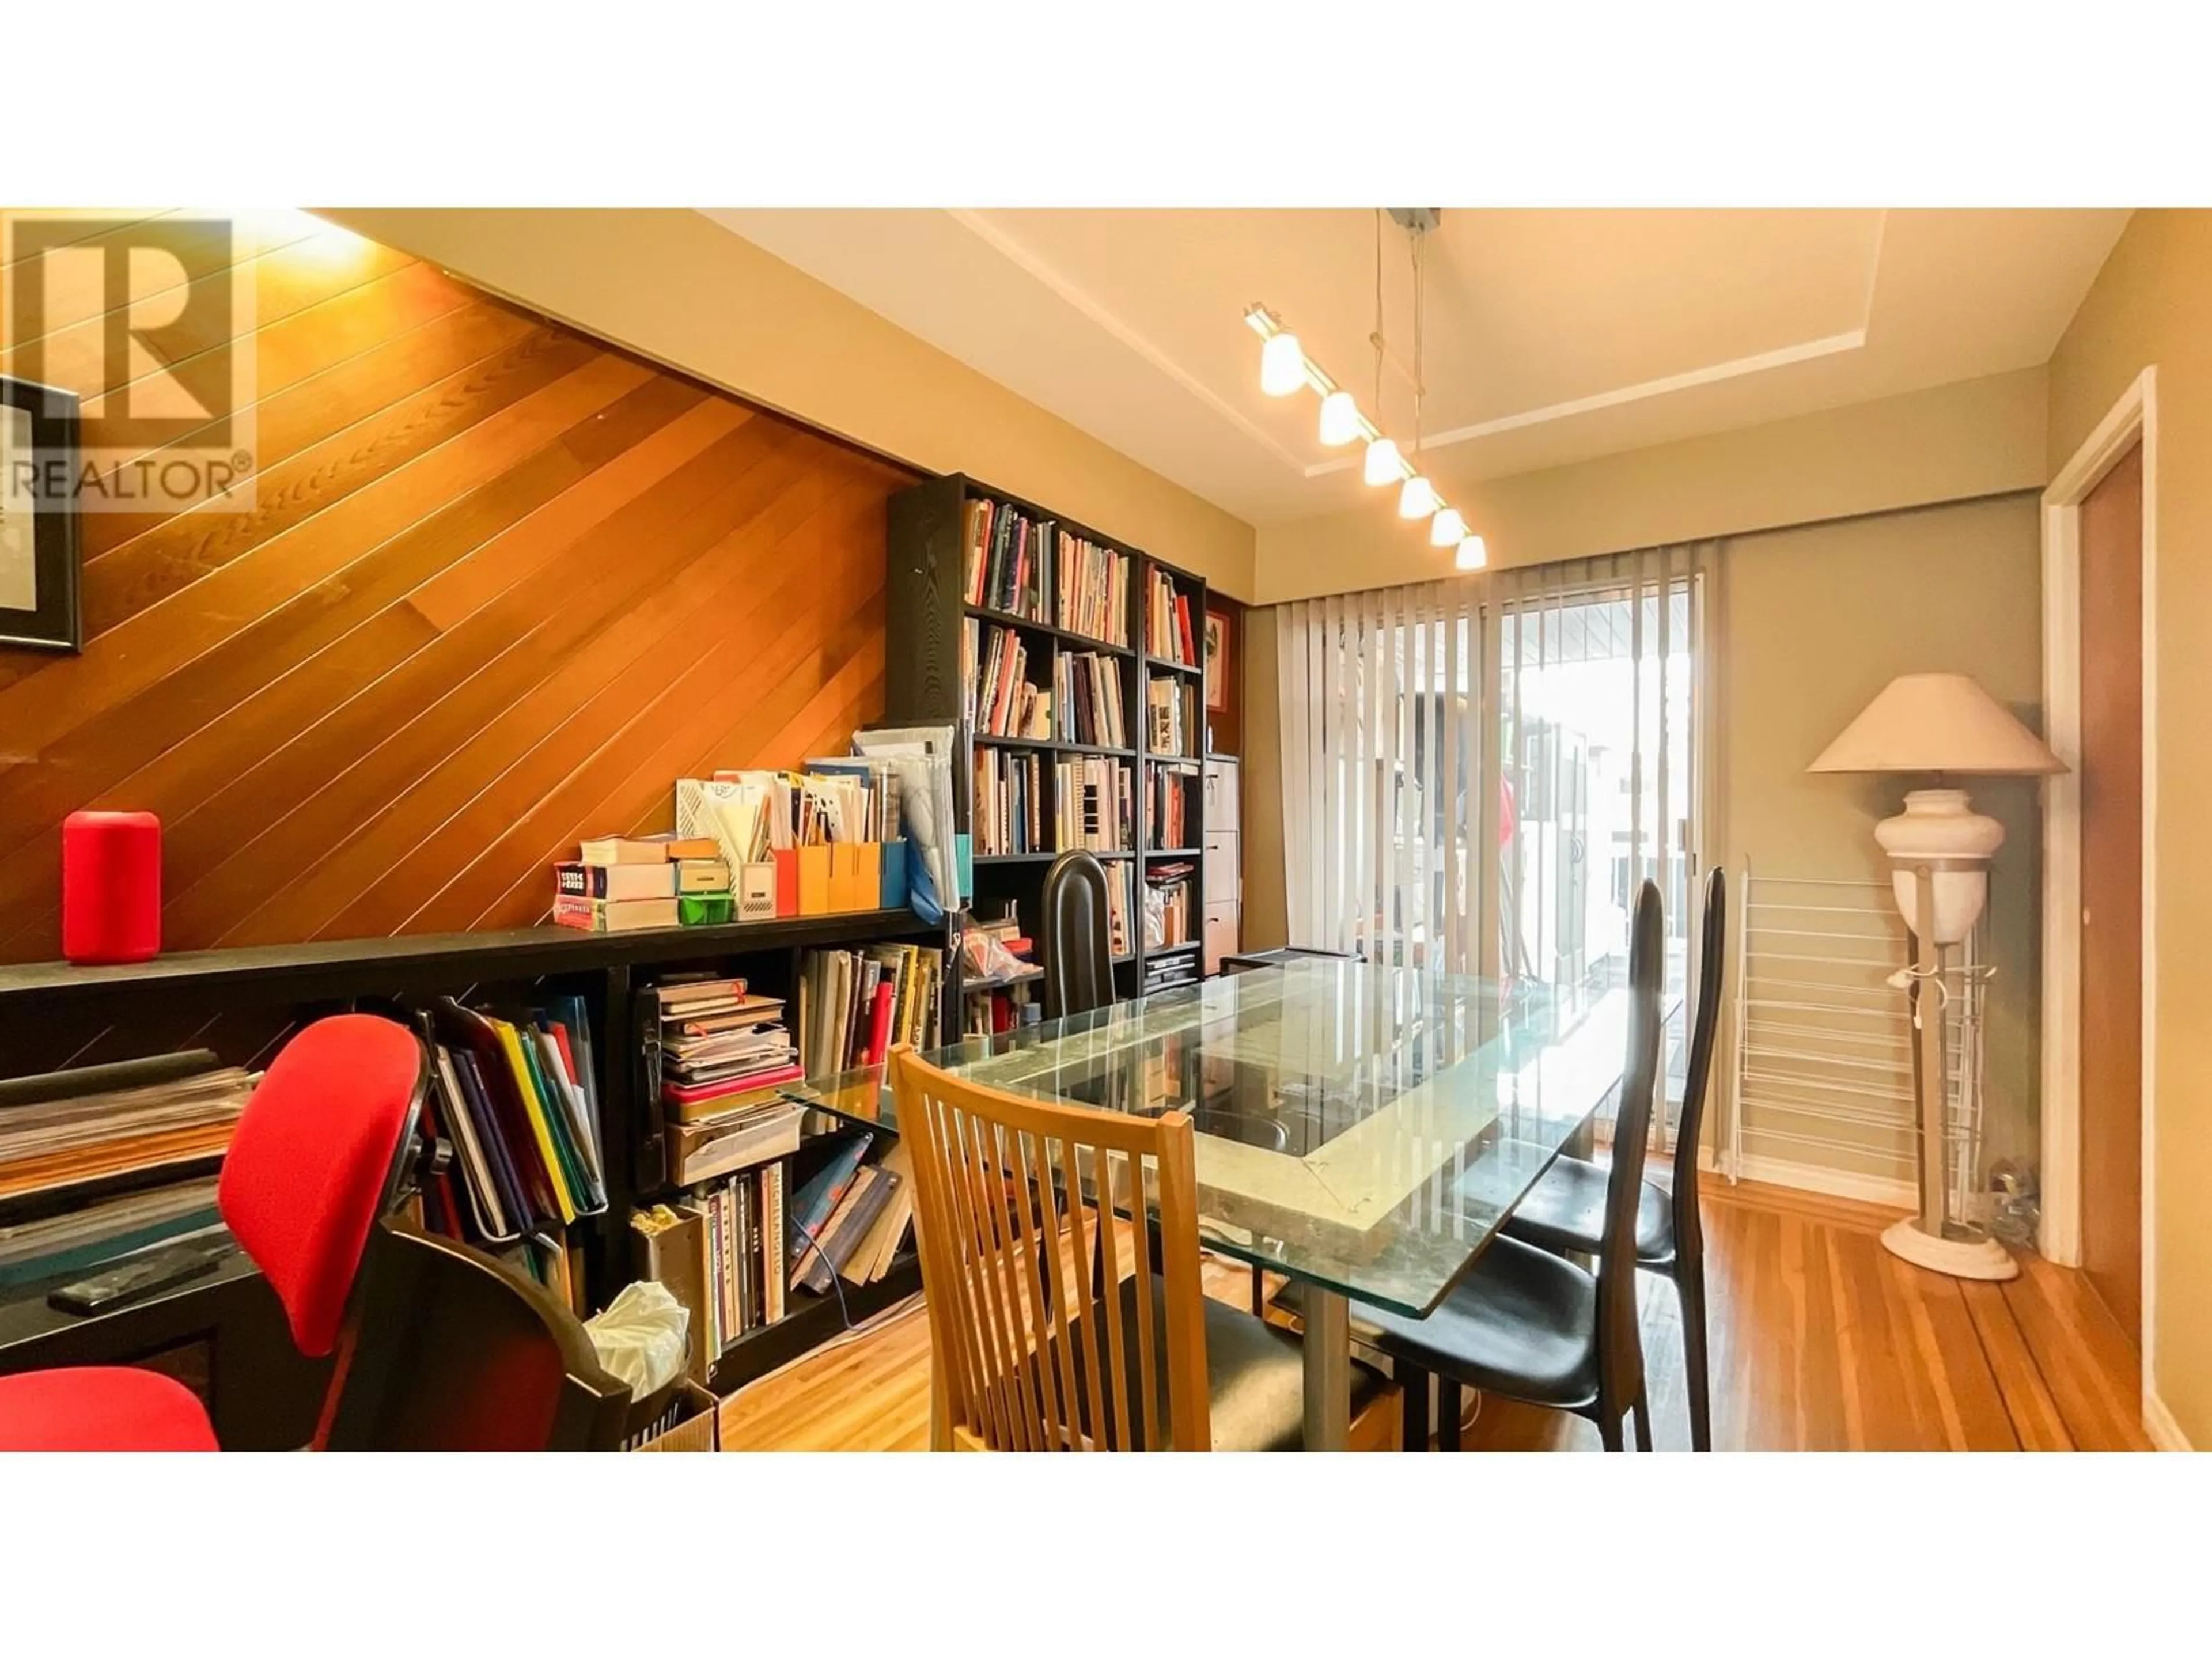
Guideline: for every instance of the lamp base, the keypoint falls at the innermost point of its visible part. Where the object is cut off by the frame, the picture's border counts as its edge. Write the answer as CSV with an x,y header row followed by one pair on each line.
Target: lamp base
x,y
1961,1258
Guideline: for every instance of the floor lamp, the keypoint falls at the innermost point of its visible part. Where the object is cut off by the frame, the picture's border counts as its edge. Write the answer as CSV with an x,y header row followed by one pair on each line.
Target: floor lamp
x,y
1939,850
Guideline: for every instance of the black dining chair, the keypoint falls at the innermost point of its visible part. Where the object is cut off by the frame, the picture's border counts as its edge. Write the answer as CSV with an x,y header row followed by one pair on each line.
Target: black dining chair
x,y
1566,1210
1073,937
1532,1326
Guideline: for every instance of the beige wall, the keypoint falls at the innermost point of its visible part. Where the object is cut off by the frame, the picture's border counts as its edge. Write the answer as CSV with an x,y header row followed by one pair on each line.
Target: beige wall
x,y
1813,621
1954,442
2152,304
679,288
1817,621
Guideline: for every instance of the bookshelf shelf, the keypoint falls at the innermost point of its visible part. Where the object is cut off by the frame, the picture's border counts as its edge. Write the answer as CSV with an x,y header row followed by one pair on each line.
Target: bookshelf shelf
x,y
932,529
1174,852
1049,630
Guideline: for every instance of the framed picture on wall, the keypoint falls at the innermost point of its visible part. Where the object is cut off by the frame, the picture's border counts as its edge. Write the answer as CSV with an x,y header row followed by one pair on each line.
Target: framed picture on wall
x,y
1218,665
38,519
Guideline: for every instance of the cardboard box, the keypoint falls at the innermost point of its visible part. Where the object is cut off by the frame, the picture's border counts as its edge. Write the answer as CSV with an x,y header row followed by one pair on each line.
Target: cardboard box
x,y
698,1427
756,886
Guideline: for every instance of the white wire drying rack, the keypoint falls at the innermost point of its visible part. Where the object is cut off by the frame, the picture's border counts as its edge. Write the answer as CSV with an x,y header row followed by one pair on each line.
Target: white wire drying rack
x,y
1823,1039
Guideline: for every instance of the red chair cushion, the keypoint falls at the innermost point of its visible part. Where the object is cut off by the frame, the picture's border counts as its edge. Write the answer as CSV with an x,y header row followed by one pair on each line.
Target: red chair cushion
x,y
101,1408
307,1169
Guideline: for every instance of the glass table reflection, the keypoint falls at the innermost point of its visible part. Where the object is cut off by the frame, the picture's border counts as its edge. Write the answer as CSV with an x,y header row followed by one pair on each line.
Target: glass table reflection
x,y
1362,1129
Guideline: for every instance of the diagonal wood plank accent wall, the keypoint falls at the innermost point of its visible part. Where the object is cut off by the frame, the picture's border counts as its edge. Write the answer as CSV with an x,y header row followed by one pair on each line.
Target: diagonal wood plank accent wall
x,y
503,586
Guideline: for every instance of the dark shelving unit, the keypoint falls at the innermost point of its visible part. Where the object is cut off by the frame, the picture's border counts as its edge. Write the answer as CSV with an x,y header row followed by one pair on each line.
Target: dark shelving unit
x,y
262,1388
925,604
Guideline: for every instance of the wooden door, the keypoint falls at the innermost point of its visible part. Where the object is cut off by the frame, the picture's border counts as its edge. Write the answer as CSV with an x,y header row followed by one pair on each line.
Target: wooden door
x,y
2111,890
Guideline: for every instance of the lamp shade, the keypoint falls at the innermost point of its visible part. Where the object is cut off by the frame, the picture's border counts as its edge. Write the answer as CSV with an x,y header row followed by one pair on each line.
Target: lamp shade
x,y
1936,723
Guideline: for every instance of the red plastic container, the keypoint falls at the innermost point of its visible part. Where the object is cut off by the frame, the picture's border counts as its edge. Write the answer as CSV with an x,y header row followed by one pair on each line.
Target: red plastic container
x,y
111,887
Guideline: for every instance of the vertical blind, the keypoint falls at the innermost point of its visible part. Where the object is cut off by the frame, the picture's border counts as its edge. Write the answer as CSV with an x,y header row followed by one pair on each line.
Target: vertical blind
x,y
1477,773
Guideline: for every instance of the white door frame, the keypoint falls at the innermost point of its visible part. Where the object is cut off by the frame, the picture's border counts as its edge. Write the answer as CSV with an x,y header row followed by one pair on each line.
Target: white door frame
x,y
2134,418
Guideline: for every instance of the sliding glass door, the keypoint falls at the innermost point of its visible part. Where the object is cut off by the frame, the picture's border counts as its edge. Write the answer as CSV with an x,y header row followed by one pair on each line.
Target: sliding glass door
x,y
1478,775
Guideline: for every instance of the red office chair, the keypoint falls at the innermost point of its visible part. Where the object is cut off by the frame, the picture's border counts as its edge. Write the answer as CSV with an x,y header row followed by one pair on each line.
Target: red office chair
x,y
322,1149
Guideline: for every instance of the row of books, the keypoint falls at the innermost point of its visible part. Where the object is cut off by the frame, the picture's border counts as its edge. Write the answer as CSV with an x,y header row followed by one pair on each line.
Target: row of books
x,y
1174,807
1000,701
1094,589
1167,622
517,1095
854,1006
1008,814
1087,691
721,1250
1093,804
1005,559
1171,723
617,883
1171,905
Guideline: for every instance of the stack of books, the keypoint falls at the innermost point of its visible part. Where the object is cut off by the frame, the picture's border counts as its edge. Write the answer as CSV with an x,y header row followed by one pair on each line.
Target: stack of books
x,y
854,1006
1171,724
1168,633
1006,559
1093,584
1093,804
135,1122
1087,691
516,1094
720,1056
1009,807
618,882
1000,700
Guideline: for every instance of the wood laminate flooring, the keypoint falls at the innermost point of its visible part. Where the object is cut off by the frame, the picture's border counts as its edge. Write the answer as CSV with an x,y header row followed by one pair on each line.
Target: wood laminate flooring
x,y
1821,1341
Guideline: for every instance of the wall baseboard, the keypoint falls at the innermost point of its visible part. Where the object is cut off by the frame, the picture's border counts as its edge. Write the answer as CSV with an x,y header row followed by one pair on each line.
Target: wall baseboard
x,y
2158,1423
1830,1183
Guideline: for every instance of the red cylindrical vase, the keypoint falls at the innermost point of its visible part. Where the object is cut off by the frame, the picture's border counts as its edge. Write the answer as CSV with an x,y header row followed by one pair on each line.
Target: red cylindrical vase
x,y
111,886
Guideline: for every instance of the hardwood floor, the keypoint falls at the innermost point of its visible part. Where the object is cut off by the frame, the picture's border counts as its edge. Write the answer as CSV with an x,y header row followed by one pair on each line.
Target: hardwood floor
x,y
1821,1341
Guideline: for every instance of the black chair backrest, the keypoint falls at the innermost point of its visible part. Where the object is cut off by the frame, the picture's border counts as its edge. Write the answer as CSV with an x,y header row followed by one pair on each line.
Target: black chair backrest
x,y
1073,940
1712,971
1621,1348
452,1351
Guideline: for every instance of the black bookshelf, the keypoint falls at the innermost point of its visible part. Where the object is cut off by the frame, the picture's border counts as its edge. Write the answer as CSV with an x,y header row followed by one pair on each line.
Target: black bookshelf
x,y
233,1000
927,604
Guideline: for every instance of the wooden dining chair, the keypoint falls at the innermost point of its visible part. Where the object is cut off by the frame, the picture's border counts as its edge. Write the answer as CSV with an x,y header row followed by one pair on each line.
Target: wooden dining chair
x,y
1043,1340
1564,1212
1532,1326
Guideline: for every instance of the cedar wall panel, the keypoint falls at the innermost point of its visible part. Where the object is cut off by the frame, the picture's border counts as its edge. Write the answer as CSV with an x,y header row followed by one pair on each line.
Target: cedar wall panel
x,y
502,584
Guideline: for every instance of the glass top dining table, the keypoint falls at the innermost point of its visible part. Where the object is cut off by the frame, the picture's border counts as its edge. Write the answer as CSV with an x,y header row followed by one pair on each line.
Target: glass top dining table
x,y
1362,1129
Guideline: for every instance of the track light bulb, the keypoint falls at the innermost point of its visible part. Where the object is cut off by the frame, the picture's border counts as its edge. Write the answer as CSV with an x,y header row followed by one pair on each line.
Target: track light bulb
x,y
1471,555
1382,463
1339,419
1446,528
1418,499
1282,366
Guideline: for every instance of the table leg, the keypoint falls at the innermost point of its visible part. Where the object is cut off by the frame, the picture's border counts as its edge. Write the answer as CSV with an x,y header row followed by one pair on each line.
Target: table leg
x,y
1327,1349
